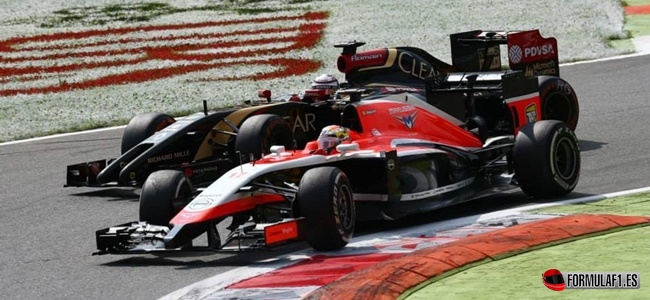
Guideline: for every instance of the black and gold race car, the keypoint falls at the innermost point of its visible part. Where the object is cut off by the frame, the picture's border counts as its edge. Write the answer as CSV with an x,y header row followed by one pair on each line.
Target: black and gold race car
x,y
203,145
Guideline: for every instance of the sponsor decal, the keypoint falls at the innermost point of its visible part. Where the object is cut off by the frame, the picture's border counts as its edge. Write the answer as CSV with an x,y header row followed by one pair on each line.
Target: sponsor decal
x,y
370,59
305,124
437,191
200,204
205,169
515,54
281,232
494,50
168,156
561,182
531,113
417,68
540,50
408,120
159,135
564,87
318,87
209,195
398,89
375,132
401,109
369,56
175,126
492,54
541,68
368,112
89,58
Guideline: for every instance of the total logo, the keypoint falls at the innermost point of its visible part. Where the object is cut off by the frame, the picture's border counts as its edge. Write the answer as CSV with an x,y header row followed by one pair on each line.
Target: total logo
x,y
516,53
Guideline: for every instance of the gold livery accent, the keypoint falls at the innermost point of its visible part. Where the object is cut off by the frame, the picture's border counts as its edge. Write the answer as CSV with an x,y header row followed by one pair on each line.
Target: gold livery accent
x,y
236,117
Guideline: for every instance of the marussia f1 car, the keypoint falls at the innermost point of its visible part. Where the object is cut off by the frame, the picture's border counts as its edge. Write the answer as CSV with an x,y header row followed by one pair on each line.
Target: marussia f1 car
x,y
461,133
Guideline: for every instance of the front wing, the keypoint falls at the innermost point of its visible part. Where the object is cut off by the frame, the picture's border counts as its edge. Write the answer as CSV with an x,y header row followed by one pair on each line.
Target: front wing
x,y
142,238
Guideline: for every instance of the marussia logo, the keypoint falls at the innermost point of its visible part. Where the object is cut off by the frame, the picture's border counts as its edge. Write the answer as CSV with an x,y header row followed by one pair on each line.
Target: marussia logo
x,y
408,121
95,58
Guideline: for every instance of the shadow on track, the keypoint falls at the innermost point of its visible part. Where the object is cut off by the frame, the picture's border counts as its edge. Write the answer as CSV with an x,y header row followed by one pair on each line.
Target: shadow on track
x,y
586,145
114,194
480,206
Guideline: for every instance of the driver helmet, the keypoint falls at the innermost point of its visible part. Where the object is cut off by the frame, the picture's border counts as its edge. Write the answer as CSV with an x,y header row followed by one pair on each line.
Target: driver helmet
x,y
331,136
324,82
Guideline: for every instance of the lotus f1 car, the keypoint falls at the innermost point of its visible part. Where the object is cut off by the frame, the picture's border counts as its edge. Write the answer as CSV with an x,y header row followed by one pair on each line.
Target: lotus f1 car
x,y
205,145
404,155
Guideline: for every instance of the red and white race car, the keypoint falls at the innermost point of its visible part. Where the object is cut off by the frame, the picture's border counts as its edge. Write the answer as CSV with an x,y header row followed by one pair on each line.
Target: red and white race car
x,y
397,150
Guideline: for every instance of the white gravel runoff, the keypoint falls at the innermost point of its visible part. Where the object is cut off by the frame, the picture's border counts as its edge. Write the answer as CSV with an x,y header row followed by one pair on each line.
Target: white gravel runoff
x,y
582,29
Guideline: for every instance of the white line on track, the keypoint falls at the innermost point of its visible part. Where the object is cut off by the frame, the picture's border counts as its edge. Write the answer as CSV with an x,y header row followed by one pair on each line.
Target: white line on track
x,y
36,139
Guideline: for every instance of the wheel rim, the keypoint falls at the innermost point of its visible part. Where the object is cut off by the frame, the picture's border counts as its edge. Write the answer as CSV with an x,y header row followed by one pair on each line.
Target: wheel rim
x,y
558,107
344,210
565,159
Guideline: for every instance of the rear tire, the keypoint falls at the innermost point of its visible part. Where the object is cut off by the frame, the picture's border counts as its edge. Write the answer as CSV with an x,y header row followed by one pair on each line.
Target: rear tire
x,y
558,101
143,126
163,195
258,133
546,159
326,202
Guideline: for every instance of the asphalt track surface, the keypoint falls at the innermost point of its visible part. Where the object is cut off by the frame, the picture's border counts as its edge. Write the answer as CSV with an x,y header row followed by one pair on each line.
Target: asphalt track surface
x,y
47,232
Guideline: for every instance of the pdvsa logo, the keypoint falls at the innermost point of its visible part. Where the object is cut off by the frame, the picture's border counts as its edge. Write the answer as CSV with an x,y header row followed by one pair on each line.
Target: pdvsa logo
x,y
539,50
517,54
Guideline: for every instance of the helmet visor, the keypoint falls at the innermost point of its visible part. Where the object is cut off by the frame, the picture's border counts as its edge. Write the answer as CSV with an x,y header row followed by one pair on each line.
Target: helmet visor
x,y
327,142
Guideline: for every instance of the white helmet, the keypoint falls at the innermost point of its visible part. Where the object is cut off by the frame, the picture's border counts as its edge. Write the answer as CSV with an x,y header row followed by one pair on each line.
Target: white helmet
x,y
324,82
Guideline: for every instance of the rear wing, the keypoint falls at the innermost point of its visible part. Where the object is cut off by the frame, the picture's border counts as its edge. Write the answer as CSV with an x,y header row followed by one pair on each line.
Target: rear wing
x,y
528,51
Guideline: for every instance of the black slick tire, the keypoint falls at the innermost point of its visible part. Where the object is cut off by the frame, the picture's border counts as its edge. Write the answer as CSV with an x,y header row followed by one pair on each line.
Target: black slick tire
x,y
143,126
326,202
258,133
546,159
164,194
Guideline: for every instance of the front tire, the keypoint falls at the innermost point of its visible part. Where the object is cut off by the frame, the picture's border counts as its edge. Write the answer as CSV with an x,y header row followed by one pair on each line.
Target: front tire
x,y
546,159
326,202
163,195
258,133
143,126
